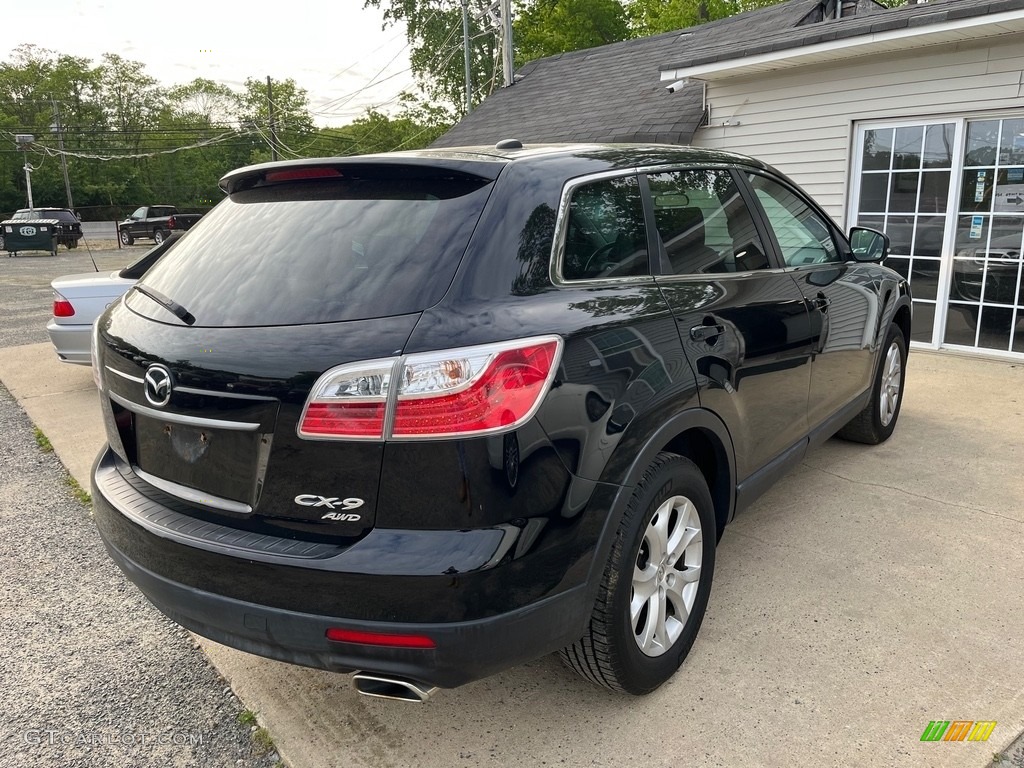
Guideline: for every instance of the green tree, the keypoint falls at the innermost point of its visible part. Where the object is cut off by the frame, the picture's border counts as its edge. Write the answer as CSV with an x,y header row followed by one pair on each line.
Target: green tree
x,y
434,31
652,17
547,27
292,121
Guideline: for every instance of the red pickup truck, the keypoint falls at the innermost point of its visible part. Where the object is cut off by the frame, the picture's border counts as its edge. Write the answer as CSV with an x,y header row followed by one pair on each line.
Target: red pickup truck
x,y
155,222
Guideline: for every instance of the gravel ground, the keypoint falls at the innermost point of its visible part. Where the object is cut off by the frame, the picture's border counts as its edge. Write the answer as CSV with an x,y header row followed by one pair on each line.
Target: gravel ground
x,y
26,302
91,674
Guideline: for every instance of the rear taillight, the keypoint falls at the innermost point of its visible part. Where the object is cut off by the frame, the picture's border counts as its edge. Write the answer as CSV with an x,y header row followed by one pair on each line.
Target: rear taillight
x,y
62,307
171,223
349,401
470,391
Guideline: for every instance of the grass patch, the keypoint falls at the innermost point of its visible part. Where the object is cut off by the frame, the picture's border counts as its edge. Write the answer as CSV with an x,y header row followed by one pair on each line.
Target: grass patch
x,y
264,743
247,717
78,491
261,738
42,440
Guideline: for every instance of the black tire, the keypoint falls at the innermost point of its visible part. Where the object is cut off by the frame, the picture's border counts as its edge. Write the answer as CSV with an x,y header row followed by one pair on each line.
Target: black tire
x,y
126,237
869,426
159,236
2,243
609,653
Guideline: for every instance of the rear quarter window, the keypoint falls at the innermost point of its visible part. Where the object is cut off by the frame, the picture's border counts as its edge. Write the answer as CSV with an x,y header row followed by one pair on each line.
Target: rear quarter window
x,y
321,251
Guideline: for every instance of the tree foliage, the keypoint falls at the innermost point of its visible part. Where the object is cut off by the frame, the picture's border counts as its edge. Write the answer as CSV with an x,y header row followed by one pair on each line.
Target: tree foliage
x,y
131,141
436,51
546,27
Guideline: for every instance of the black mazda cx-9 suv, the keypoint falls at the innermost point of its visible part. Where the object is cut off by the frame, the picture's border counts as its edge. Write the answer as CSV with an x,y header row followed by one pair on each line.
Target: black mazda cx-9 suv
x,y
424,416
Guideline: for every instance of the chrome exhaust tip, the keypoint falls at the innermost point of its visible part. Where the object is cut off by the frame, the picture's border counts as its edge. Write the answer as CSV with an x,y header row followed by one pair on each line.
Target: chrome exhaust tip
x,y
396,688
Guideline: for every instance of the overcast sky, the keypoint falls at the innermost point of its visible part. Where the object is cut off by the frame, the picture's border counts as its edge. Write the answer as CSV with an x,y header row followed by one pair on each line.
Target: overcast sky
x,y
334,49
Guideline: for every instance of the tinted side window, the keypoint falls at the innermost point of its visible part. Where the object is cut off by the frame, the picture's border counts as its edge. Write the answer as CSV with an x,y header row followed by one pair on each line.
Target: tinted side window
x,y
605,231
704,224
804,237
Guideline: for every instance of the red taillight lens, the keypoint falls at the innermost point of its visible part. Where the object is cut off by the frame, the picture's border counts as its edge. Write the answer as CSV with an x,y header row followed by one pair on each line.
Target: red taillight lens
x,y
171,223
480,391
379,638
357,419
475,390
349,401
62,307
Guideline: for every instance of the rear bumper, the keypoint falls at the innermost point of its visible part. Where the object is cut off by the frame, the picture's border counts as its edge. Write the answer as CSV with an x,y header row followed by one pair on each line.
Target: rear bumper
x,y
71,342
193,586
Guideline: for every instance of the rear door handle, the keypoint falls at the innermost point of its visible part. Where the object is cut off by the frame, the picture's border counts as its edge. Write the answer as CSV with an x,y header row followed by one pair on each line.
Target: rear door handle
x,y
706,332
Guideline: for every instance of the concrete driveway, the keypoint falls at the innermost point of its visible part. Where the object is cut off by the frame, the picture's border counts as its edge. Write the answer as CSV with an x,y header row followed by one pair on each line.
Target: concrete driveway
x,y
870,592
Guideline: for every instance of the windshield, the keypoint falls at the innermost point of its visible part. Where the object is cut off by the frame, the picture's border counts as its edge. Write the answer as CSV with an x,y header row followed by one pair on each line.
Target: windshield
x,y
321,251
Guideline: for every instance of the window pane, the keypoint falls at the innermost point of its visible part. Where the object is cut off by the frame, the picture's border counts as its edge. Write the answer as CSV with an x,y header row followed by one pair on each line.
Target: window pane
x,y
934,192
976,194
924,279
982,136
903,191
873,190
899,264
924,318
1011,143
1008,195
908,147
900,230
995,328
704,224
877,149
928,234
606,235
961,322
938,146
803,236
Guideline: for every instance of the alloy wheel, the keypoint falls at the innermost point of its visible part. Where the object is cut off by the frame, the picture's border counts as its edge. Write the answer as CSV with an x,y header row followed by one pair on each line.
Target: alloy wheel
x,y
666,576
889,396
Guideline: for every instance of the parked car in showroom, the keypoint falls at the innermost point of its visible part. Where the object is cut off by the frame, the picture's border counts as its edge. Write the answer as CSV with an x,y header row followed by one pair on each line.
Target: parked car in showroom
x,y
496,402
69,228
991,272
79,299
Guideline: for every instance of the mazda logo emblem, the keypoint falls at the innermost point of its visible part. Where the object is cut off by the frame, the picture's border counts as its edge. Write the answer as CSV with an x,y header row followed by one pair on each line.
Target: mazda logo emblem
x,y
157,384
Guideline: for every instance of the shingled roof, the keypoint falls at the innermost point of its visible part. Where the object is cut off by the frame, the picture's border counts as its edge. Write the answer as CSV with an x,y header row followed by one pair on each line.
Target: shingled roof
x,y
613,93
781,39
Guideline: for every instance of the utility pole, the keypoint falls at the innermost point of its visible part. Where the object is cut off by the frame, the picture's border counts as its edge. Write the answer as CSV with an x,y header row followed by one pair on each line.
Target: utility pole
x,y
465,56
273,128
23,140
506,41
59,129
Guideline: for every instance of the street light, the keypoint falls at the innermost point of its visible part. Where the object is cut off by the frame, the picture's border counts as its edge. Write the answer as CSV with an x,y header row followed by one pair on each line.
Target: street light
x,y
23,140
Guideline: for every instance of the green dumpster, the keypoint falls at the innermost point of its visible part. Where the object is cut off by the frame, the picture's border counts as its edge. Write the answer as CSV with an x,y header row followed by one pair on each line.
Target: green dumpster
x,y
29,235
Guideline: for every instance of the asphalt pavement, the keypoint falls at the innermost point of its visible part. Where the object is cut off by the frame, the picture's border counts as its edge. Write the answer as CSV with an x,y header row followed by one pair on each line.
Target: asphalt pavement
x,y
870,592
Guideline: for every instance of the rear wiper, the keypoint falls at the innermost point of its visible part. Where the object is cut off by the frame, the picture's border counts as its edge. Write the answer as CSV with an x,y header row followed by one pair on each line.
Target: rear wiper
x,y
179,311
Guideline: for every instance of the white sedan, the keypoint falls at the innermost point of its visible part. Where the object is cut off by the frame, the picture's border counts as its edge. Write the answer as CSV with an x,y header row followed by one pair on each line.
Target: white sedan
x,y
79,299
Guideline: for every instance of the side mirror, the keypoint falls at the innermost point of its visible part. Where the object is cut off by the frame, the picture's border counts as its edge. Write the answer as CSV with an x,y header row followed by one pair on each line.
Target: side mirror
x,y
869,245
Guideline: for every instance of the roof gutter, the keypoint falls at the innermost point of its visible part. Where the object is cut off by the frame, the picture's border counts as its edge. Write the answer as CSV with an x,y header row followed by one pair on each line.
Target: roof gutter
x,y
920,35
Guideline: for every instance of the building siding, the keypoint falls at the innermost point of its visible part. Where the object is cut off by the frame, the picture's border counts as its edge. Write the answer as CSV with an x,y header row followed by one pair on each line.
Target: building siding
x,y
801,120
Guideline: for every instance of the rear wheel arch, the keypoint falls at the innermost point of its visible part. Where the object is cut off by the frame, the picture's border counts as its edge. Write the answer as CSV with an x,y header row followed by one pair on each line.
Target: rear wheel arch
x,y
700,436
902,318
706,449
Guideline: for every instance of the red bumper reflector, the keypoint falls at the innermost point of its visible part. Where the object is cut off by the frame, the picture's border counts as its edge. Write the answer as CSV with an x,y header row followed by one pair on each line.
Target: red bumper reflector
x,y
379,638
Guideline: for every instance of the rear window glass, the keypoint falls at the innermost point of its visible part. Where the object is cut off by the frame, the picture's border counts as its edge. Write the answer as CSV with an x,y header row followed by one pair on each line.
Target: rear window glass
x,y
48,213
321,251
